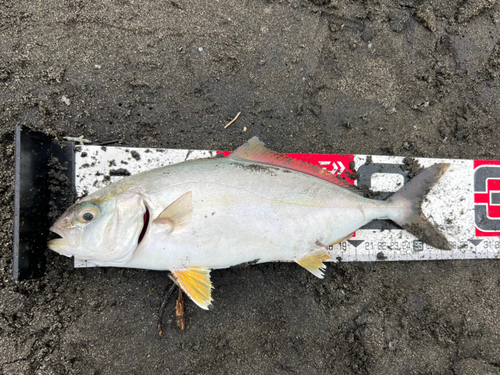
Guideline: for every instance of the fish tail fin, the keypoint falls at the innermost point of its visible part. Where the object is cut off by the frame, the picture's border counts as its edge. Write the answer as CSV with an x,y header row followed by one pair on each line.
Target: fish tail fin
x,y
410,198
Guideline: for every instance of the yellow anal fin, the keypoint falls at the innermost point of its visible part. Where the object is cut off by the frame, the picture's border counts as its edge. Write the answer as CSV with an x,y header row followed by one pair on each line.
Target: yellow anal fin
x,y
314,263
178,214
195,282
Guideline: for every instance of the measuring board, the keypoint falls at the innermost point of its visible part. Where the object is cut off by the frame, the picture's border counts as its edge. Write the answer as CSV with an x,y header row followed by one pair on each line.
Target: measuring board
x,y
464,204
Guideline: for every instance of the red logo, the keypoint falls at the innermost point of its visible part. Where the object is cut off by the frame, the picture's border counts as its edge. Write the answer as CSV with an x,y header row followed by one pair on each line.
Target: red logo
x,y
333,163
487,198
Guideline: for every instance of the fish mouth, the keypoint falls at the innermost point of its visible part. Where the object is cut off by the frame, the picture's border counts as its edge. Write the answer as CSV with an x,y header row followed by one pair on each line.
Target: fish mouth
x,y
145,226
60,244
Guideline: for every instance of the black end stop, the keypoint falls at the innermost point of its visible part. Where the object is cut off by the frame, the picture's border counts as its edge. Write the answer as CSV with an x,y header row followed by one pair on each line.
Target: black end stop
x,y
34,155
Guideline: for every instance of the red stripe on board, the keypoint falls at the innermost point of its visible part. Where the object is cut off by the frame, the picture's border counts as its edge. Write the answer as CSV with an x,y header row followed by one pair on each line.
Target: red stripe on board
x,y
480,233
478,163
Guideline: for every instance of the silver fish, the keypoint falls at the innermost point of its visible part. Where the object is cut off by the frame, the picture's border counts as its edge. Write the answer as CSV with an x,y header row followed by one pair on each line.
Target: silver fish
x,y
253,206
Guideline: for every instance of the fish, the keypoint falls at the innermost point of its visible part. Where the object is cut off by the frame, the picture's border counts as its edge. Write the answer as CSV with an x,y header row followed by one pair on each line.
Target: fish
x,y
252,206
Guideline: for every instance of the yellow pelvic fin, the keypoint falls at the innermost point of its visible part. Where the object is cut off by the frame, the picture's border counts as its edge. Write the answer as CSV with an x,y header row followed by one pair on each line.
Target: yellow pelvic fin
x,y
314,263
178,214
195,282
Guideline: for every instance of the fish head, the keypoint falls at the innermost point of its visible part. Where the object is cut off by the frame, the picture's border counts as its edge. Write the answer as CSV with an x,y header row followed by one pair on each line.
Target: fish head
x,y
105,230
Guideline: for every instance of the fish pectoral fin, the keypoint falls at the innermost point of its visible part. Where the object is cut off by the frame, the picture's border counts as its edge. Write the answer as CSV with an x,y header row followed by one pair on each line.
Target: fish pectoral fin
x,y
178,214
195,282
314,263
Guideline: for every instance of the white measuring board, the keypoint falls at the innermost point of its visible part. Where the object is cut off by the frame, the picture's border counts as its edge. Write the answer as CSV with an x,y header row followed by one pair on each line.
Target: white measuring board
x,y
464,204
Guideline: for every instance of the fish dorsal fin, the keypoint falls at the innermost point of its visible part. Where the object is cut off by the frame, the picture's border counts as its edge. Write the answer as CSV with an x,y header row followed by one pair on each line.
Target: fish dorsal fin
x,y
178,214
255,151
195,282
314,263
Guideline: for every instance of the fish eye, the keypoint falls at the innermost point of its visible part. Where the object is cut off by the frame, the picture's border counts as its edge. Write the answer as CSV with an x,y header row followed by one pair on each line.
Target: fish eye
x,y
87,216
88,213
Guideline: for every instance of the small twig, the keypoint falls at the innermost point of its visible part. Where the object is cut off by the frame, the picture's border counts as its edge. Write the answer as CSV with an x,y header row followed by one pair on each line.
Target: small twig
x,y
79,139
163,307
233,120
107,142
179,311
174,279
